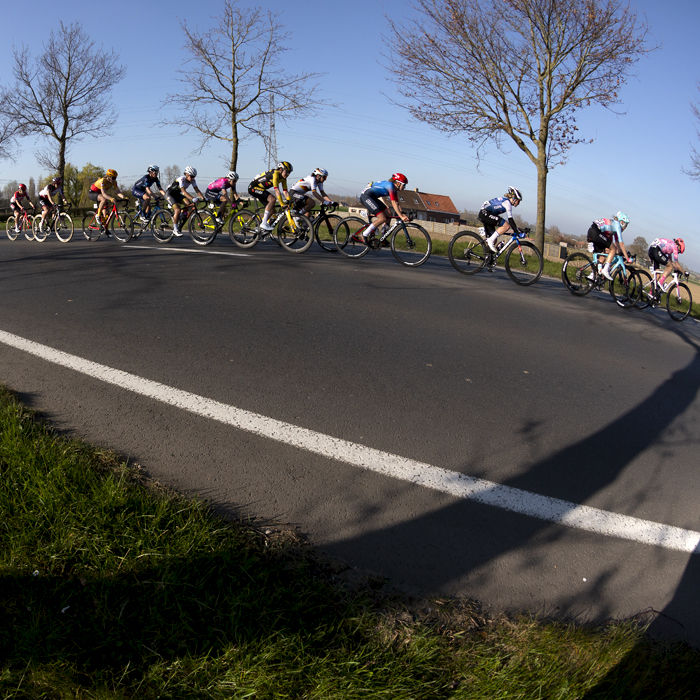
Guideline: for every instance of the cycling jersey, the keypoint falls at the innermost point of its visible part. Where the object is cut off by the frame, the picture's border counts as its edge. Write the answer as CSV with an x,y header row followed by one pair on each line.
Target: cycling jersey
x,y
50,190
667,246
145,183
499,206
308,186
103,184
18,196
491,214
264,182
381,188
610,228
181,183
223,183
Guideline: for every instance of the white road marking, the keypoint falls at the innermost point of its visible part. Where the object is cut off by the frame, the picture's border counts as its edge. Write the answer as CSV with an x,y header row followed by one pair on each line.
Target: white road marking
x,y
453,483
186,250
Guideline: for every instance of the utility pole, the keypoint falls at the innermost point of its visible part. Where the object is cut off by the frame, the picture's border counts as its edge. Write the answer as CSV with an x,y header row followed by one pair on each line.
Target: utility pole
x,y
272,137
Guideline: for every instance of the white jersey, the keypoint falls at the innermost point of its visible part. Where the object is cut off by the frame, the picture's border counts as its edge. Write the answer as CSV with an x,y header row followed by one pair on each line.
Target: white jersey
x,y
308,186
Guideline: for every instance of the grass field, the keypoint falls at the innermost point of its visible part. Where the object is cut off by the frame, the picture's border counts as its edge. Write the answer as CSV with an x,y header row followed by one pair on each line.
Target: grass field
x,y
112,588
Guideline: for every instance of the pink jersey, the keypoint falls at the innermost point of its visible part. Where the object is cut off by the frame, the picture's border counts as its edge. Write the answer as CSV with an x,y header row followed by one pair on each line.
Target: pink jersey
x,y
667,246
223,183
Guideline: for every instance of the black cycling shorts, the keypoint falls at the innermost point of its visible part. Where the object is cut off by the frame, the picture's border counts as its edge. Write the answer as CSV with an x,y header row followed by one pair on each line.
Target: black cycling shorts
x,y
600,240
374,206
658,257
260,195
490,221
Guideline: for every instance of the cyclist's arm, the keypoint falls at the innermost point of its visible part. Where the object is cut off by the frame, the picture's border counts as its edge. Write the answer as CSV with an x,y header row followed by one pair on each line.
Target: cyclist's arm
x,y
278,181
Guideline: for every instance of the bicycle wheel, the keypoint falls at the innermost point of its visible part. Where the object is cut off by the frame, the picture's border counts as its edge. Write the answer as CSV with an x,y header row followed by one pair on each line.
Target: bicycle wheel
x,y
91,228
202,227
679,301
138,226
162,226
298,236
411,245
243,228
324,232
38,233
468,252
63,227
620,288
645,292
578,274
347,236
524,263
10,228
120,226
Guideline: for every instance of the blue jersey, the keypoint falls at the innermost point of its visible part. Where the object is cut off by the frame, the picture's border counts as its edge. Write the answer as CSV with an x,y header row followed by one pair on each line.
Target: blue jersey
x,y
383,188
499,206
145,183
611,228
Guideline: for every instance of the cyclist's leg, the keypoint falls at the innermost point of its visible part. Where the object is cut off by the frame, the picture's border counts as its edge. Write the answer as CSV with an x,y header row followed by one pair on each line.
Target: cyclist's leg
x,y
377,209
269,202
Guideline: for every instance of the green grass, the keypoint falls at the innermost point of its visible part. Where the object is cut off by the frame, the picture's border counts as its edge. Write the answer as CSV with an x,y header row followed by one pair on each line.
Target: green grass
x,y
112,587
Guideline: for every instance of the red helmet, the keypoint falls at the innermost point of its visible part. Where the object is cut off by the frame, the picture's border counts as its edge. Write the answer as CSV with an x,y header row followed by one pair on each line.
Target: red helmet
x,y
681,245
22,187
399,177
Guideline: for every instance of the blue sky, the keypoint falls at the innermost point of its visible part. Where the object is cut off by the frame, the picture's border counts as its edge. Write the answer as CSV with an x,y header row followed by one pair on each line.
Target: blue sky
x,y
634,164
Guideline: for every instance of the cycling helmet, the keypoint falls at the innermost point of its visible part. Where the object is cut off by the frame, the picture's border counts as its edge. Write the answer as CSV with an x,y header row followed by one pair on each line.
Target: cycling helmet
x,y
111,173
320,172
622,217
232,175
514,193
57,180
681,244
399,177
189,170
22,187
285,165
153,169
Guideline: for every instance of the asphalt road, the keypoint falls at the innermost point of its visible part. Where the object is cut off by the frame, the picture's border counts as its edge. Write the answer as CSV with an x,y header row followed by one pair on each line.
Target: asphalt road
x,y
532,388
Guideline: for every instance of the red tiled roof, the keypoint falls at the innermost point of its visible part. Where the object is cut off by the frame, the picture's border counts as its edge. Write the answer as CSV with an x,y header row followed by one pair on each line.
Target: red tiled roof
x,y
438,202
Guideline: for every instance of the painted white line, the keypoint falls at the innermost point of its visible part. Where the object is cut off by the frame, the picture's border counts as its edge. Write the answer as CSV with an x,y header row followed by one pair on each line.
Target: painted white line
x,y
186,250
453,483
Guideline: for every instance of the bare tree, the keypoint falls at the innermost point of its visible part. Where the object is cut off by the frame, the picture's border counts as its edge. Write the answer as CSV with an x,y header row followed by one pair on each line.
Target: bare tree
x,y
8,143
694,170
518,70
64,95
232,77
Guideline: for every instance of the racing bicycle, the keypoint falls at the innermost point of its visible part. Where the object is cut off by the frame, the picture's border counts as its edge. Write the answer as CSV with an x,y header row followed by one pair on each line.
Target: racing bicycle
x,y
57,221
23,222
138,225
679,300
410,243
324,224
114,222
204,225
291,230
580,274
469,253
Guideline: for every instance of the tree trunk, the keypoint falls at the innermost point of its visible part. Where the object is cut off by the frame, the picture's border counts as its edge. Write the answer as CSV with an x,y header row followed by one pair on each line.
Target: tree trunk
x,y
542,171
234,144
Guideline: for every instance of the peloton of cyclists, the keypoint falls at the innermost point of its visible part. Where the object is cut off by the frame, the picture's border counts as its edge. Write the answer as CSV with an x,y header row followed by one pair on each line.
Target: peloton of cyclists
x,y
268,187
497,216
46,195
665,251
606,234
370,197
142,191
105,190
16,204
177,195
309,187
223,192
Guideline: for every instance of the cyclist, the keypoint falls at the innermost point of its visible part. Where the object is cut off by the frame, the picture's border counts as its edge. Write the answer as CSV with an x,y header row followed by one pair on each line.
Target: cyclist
x,y
266,189
52,189
105,190
308,187
16,204
142,190
665,251
370,197
223,191
606,234
491,216
177,195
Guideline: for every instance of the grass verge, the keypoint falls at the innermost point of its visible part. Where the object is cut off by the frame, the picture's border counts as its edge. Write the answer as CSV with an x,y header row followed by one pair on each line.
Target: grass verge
x,y
112,587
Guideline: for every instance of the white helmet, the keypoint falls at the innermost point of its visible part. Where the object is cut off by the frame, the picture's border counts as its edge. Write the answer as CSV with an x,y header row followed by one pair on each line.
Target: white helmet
x,y
320,172
189,170
232,175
